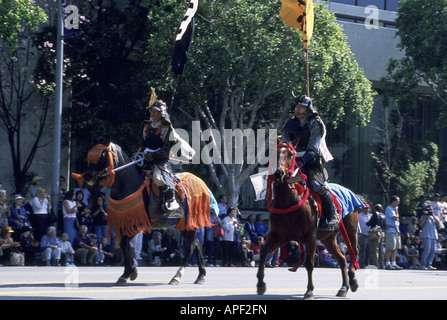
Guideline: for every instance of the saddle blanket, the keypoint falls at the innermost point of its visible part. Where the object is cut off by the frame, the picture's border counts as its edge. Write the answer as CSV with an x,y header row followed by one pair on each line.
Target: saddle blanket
x,y
347,199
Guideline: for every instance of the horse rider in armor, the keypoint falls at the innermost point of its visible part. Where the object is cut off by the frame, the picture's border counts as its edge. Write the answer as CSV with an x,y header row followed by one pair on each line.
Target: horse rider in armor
x,y
157,146
309,129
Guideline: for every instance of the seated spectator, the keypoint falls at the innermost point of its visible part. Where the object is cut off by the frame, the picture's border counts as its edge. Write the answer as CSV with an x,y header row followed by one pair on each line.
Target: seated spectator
x,y
18,218
249,228
293,253
100,245
244,253
272,257
326,259
440,259
412,253
7,244
67,252
401,259
260,226
97,245
84,249
257,248
413,227
113,254
171,254
155,248
50,248
30,247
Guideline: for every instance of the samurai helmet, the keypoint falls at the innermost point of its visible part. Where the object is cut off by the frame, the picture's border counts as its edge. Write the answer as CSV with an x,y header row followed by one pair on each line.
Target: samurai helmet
x,y
304,101
158,105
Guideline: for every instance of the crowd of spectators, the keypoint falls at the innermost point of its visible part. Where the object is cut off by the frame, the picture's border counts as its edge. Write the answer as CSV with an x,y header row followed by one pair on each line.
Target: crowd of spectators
x,y
420,240
30,234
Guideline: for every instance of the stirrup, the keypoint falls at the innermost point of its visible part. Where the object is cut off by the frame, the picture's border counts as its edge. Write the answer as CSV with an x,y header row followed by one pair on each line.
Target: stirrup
x,y
171,204
324,223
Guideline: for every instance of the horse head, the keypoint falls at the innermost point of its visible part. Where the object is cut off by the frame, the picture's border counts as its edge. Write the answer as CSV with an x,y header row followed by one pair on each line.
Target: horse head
x,y
100,165
286,161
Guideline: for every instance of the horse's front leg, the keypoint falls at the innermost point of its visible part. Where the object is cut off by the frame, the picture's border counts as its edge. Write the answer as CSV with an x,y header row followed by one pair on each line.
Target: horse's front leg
x,y
309,264
130,264
271,244
261,287
189,237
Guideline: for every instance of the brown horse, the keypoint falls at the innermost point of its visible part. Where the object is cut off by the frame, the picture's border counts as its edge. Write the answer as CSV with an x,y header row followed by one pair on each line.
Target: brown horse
x,y
130,203
299,223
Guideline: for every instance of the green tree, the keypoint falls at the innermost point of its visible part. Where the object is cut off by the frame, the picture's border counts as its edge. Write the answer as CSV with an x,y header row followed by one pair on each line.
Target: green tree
x,y
18,99
15,17
403,167
421,27
105,73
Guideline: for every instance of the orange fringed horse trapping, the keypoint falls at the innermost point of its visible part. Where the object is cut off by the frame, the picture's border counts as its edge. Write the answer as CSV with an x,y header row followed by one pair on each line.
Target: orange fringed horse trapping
x,y
129,216
198,201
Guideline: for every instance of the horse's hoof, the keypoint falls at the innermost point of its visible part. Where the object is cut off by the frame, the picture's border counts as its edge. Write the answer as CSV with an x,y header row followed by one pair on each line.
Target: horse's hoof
x,y
133,275
174,282
200,279
309,295
262,289
354,286
342,292
121,282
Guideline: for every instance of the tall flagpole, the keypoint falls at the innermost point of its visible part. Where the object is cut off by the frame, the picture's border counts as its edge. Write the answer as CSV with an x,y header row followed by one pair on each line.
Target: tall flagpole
x,y
58,109
307,74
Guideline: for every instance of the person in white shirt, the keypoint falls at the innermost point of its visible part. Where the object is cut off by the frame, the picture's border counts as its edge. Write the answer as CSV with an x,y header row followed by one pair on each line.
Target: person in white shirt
x,y
437,209
230,225
41,204
363,235
69,210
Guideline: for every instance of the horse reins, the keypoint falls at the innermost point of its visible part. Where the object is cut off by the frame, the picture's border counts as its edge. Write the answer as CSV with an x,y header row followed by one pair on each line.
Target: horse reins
x,y
293,170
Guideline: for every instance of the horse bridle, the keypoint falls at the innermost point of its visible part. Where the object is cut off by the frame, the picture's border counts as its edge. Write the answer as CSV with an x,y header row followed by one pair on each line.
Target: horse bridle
x,y
280,175
107,174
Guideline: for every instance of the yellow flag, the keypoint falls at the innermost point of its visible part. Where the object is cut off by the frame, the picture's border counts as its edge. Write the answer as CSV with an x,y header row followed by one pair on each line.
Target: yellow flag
x,y
299,14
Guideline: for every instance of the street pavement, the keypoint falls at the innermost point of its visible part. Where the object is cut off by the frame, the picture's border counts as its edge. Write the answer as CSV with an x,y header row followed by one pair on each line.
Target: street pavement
x,y
224,284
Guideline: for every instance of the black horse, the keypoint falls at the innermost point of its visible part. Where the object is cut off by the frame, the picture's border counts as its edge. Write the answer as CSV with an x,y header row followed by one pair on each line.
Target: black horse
x,y
128,194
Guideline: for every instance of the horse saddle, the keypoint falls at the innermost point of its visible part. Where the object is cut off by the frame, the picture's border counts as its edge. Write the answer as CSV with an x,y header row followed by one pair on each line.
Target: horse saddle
x,y
156,206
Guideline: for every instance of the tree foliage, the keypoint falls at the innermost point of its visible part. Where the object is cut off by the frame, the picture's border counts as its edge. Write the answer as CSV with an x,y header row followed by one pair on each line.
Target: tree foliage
x,y
402,167
15,17
421,27
18,21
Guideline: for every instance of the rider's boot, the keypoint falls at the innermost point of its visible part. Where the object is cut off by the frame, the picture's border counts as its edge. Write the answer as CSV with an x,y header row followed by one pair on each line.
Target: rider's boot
x,y
330,218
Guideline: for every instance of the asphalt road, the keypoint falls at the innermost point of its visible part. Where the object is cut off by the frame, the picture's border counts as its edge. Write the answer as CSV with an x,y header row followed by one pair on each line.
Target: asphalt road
x,y
222,284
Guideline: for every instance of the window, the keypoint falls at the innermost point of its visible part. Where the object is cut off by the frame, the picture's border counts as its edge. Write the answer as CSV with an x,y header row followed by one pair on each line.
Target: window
x,y
380,4
351,2
392,5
